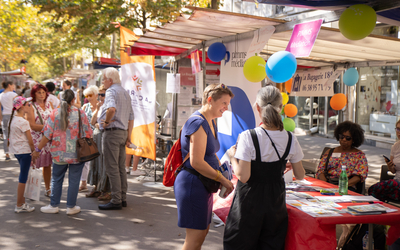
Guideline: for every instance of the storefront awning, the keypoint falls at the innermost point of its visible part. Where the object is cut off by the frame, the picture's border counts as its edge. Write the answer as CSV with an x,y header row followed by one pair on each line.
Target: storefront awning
x,y
206,26
17,72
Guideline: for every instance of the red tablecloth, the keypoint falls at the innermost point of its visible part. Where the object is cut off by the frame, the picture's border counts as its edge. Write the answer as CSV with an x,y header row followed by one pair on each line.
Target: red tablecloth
x,y
306,232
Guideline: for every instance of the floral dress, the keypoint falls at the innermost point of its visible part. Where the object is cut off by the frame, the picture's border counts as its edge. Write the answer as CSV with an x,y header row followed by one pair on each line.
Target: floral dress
x,y
356,164
44,159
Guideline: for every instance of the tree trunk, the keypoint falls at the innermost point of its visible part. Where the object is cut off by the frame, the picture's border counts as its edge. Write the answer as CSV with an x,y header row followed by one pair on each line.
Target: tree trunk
x,y
65,64
113,50
214,4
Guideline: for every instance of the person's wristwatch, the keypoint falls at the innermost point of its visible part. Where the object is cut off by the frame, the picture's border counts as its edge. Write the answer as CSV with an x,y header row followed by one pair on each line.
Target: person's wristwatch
x,y
37,149
106,122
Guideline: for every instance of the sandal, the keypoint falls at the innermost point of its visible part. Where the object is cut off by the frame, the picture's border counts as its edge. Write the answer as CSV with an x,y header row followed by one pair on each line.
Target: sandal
x,y
83,189
104,197
93,194
47,193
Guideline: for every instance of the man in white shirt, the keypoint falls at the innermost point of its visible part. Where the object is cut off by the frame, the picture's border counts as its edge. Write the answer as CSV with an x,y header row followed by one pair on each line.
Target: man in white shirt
x,y
52,98
67,85
6,102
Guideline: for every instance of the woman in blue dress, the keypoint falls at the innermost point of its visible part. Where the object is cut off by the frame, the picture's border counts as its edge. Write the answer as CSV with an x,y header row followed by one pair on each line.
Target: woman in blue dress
x,y
199,139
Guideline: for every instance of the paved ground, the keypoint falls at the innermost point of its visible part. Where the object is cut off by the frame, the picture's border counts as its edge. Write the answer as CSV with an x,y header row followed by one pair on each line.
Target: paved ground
x,y
149,221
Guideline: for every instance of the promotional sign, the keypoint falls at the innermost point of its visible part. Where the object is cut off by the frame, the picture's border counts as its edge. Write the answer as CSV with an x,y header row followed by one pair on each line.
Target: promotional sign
x,y
173,83
303,38
138,78
314,82
240,115
261,37
187,78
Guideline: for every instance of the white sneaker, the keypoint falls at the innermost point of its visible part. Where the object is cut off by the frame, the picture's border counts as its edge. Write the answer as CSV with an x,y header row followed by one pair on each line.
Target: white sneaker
x,y
49,209
25,208
73,210
137,172
127,169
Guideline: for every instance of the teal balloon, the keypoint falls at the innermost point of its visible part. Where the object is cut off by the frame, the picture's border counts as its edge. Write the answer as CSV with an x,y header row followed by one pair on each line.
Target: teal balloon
x,y
289,124
350,77
357,21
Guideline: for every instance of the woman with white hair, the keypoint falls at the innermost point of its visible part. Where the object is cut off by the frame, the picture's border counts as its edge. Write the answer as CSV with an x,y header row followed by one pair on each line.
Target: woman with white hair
x,y
90,94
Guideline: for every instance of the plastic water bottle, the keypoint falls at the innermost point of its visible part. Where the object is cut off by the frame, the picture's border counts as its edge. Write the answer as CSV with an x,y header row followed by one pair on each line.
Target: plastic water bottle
x,y
343,181
365,242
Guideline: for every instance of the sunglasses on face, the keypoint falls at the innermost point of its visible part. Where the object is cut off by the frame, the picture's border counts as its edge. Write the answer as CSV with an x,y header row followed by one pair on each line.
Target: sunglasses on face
x,y
87,96
102,95
348,138
397,129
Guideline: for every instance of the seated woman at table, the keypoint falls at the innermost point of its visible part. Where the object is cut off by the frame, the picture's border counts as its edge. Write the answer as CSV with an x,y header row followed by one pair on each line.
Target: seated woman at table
x,y
350,136
390,189
258,218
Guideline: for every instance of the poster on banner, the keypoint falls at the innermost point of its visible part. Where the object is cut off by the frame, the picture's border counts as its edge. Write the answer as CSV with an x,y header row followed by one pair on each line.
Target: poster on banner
x,y
173,83
314,82
138,79
195,59
303,38
260,39
187,78
187,96
240,114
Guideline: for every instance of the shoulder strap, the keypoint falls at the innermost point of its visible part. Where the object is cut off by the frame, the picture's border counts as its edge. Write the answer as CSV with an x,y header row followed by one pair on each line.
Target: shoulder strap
x,y
80,124
289,145
256,144
327,160
273,144
37,111
187,155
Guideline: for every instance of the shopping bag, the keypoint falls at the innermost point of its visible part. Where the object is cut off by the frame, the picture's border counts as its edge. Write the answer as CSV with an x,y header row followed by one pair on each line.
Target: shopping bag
x,y
32,187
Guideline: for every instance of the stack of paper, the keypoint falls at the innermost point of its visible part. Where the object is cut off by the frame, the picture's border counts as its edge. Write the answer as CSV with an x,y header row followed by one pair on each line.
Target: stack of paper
x,y
369,209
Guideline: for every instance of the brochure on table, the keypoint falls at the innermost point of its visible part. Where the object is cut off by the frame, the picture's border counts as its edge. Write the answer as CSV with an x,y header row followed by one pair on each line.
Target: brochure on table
x,y
326,205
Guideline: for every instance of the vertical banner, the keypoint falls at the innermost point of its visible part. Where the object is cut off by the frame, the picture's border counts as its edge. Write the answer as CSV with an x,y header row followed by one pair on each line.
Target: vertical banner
x,y
195,59
240,115
303,38
138,78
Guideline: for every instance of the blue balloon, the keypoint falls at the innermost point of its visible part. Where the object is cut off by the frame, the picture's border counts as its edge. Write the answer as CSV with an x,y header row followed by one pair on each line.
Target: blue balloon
x,y
216,52
350,77
281,66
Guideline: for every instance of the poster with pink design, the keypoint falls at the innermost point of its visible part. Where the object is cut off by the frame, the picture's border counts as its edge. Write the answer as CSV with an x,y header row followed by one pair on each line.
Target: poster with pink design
x,y
303,38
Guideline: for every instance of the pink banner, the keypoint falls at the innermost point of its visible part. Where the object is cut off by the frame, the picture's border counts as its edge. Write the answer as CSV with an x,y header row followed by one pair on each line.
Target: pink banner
x,y
195,62
303,38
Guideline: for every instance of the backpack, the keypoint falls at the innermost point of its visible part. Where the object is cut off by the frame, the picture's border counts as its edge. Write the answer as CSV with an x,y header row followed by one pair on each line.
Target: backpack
x,y
173,163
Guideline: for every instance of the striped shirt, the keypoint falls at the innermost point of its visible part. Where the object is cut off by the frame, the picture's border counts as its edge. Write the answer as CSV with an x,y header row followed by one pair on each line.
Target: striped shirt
x,y
117,97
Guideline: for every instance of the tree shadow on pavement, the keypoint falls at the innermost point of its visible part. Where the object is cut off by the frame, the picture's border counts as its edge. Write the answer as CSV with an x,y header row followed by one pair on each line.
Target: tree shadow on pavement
x,y
149,221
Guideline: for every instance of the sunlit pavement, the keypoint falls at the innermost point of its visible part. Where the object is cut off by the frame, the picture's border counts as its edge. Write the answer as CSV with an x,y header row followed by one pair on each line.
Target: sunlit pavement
x,y
149,221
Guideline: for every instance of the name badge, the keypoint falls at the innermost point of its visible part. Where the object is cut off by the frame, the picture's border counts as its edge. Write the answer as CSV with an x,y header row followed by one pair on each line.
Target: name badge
x,y
336,155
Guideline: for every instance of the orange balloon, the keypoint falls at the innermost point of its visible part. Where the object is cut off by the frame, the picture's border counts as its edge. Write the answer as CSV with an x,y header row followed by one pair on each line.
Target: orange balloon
x,y
338,101
288,85
290,110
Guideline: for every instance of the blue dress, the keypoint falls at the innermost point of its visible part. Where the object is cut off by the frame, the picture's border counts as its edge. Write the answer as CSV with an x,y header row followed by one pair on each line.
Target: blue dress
x,y
194,202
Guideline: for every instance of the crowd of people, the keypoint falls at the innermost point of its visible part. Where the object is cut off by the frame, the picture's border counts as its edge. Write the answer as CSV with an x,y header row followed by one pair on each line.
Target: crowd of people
x,y
42,131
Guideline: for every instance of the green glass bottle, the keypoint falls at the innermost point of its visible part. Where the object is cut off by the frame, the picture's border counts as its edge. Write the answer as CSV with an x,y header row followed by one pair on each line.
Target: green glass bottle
x,y
343,181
